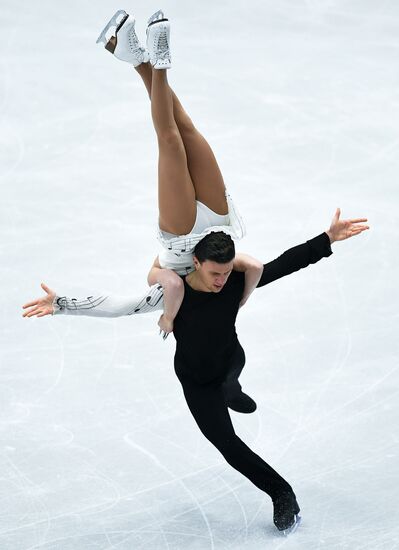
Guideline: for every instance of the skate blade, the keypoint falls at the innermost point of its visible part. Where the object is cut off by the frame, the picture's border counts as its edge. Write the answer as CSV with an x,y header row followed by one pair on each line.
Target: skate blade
x,y
117,20
157,16
293,527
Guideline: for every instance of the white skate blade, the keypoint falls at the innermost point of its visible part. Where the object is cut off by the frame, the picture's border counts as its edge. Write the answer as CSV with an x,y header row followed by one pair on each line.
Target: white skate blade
x,y
116,21
293,527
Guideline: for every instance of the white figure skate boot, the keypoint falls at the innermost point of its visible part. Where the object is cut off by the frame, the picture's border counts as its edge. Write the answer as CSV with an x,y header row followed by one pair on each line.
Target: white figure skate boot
x,y
123,42
158,39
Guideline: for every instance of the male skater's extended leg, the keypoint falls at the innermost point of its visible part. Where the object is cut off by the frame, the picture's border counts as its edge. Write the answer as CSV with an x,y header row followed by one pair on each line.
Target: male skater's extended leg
x,y
207,405
202,165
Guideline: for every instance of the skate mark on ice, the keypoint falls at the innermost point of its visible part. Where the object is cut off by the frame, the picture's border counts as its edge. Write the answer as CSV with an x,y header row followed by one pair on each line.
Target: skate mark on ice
x,y
129,442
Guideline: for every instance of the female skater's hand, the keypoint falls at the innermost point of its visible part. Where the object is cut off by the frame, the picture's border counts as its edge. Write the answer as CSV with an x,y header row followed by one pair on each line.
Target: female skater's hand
x,y
165,325
343,229
41,306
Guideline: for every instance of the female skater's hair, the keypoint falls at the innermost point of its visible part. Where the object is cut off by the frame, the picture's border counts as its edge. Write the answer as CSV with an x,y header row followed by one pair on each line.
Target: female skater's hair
x,y
216,247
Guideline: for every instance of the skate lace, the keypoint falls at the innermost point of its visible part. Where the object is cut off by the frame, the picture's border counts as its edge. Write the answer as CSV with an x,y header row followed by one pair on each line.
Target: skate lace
x,y
162,50
133,41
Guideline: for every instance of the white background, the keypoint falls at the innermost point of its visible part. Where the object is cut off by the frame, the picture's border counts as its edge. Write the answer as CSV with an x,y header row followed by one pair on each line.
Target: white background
x,y
98,450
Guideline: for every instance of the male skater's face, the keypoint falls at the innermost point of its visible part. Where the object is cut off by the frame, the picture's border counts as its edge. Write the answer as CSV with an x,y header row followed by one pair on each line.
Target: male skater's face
x,y
214,275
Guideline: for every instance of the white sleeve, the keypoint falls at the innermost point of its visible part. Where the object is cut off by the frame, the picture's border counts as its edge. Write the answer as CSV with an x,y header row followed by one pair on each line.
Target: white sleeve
x,y
110,306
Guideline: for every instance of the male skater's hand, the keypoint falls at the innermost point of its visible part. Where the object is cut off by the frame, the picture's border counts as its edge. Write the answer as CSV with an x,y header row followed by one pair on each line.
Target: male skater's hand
x,y
343,229
165,325
41,306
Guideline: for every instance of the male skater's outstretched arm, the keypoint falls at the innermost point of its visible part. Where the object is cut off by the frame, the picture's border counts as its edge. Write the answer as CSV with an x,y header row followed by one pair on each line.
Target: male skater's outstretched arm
x,y
300,256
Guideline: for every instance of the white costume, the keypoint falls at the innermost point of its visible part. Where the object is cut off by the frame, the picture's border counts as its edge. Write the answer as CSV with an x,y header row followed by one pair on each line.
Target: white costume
x,y
178,250
177,255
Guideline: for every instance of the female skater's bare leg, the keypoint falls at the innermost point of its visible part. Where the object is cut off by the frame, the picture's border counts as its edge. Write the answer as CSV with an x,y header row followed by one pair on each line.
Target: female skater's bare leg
x,y
202,165
176,193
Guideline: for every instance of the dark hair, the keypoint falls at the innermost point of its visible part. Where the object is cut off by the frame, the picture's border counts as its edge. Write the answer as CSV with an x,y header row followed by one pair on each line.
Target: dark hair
x,y
217,247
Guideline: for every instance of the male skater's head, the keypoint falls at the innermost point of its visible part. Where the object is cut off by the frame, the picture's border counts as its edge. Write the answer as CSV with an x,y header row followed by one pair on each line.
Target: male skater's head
x,y
213,260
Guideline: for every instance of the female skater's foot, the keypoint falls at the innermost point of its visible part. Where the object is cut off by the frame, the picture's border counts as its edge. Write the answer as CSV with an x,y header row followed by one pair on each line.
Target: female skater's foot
x,y
158,41
123,42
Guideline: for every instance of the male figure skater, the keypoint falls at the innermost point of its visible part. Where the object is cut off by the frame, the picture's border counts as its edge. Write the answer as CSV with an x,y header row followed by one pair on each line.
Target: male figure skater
x,y
209,357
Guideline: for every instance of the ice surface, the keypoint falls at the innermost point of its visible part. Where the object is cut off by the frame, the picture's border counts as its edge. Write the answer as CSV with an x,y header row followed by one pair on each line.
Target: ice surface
x,y
299,101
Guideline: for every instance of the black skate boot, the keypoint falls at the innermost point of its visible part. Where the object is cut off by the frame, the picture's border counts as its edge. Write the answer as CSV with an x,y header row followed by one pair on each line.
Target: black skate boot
x,y
241,403
286,511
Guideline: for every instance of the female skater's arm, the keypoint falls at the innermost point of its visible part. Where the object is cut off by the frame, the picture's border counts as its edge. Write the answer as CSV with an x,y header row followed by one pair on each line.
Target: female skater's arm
x,y
95,305
173,288
253,269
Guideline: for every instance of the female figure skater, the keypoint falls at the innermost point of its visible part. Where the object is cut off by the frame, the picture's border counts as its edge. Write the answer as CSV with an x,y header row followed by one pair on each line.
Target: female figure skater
x,y
192,197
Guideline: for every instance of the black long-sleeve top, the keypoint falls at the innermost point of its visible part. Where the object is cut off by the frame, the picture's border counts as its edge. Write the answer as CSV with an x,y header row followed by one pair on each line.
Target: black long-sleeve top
x,y
204,327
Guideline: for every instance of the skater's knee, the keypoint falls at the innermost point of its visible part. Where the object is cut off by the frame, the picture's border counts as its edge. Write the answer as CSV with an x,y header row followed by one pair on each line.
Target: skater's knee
x,y
187,127
170,138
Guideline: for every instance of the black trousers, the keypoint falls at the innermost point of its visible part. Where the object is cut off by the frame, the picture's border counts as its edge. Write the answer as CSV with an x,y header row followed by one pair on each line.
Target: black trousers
x,y
207,403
